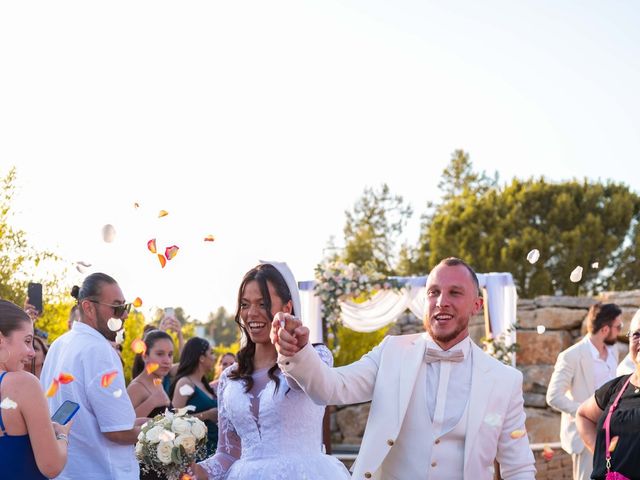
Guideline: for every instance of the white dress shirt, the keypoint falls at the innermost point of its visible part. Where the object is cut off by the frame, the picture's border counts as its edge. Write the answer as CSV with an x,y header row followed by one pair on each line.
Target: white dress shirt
x,y
446,399
603,370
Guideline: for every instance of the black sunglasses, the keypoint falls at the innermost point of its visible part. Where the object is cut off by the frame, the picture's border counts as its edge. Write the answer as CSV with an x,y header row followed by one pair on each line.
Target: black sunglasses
x,y
118,309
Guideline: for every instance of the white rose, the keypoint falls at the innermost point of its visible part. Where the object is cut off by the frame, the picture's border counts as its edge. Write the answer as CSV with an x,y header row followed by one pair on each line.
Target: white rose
x,y
164,452
153,434
180,425
139,447
141,436
187,441
199,430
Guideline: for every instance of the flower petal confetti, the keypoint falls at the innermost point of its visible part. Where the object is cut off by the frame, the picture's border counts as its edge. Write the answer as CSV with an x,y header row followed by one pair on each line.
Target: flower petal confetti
x,y
541,329
151,245
533,256
547,452
493,419
117,393
186,476
136,205
65,378
157,382
186,390
518,434
53,388
114,324
163,261
576,275
137,303
209,238
7,403
138,346
82,266
614,443
108,233
152,367
108,378
595,265
171,252
120,337
162,213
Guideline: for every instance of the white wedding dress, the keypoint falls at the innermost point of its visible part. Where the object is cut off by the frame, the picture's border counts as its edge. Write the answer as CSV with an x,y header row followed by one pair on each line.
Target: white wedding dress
x,y
284,441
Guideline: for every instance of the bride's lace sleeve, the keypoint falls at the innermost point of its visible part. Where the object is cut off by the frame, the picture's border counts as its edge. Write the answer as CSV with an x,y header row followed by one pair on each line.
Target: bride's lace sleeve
x,y
229,449
325,355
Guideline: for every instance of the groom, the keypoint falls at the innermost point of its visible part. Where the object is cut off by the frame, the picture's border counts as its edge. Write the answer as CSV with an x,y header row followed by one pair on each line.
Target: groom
x,y
440,406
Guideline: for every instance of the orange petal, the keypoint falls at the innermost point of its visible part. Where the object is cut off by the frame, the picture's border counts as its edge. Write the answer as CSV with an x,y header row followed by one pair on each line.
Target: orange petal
x,y
152,367
171,252
157,382
53,388
151,245
65,378
186,476
137,303
138,346
517,434
162,213
209,238
613,444
162,260
108,378
547,452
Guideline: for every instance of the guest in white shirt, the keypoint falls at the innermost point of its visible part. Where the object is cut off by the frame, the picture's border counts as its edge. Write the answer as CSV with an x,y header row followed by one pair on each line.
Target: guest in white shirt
x,y
440,406
106,428
579,372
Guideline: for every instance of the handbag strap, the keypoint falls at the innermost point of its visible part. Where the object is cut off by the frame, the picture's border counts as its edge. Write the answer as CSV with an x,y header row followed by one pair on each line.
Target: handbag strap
x,y
607,421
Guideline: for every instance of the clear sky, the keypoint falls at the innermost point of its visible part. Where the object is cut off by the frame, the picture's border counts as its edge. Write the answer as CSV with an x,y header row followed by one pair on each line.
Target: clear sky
x,y
262,122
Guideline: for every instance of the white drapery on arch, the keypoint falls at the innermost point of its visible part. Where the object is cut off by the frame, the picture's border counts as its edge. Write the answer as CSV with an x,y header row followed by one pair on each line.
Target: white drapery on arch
x,y
387,305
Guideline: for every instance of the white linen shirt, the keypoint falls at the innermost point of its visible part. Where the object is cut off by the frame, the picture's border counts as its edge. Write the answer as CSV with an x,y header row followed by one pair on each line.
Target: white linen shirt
x,y
87,355
603,370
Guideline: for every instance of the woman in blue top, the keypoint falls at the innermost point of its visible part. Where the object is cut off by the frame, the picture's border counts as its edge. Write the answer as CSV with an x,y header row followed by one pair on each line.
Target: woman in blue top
x,y
191,387
31,446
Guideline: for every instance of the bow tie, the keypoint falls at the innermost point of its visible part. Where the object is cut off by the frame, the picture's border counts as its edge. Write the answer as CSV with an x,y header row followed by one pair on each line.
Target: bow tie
x,y
433,355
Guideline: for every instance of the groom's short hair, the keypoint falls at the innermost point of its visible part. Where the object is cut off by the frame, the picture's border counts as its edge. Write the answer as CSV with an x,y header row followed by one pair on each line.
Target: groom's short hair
x,y
454,262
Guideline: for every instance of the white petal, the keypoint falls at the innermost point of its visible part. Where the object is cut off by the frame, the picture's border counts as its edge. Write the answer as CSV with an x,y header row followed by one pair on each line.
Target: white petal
x,y
576,275
8,403
533,256
117,393
114,324
541,329
595,265
108,233
186,390
120,337
493,419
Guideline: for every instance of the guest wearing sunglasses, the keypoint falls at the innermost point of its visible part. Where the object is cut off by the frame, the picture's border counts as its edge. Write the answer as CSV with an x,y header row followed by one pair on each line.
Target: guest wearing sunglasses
x,y
101,445
616,449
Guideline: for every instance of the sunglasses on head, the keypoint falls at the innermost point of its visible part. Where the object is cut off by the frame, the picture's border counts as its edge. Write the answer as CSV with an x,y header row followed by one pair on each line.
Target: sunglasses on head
x,y
118,309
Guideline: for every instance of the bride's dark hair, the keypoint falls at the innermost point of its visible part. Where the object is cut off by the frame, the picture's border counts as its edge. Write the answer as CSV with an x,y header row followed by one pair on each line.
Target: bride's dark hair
x,y
262,274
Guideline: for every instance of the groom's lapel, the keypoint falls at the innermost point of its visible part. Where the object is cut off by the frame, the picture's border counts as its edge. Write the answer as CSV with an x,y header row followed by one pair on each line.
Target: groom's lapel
x,y
412,358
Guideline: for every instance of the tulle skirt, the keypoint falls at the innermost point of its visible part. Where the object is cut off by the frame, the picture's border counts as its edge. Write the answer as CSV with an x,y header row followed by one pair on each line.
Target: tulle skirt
x,y
294,466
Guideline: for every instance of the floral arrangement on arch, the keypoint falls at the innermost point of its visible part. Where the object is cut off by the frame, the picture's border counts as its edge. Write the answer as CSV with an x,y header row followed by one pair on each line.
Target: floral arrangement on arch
x,y
337,282
169,443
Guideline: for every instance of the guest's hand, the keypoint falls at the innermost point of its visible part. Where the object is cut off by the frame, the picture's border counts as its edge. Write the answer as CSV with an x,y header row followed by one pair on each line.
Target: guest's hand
x,y
171,324
57,428
141,421
290,339
31,310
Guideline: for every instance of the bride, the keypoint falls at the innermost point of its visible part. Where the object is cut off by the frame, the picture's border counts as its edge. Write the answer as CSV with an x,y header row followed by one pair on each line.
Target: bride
x,y
269,429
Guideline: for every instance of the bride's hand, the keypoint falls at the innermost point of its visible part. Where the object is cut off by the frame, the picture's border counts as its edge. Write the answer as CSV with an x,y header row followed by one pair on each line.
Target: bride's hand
x,y
290,339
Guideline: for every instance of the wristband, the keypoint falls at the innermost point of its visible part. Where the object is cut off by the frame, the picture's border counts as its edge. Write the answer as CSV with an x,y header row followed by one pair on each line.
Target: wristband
x,y
62,436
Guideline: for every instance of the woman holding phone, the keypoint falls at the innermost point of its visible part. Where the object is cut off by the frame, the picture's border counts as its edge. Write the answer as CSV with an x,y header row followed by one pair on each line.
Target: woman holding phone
x,y
31,446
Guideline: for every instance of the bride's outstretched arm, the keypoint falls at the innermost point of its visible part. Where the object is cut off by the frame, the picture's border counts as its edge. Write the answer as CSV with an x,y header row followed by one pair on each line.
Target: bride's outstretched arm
x,y
228,451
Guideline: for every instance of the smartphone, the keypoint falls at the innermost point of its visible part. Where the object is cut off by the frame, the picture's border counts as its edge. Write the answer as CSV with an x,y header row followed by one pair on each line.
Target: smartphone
x,y
169,312
66,412
34,292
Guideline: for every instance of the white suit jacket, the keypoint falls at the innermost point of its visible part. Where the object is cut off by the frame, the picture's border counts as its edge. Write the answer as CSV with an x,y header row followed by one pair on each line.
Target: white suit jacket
x,y
387,376
572,382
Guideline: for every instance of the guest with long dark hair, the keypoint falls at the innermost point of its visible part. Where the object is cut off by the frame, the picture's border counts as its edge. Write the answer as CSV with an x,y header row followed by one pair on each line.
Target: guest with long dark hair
x,y
190,387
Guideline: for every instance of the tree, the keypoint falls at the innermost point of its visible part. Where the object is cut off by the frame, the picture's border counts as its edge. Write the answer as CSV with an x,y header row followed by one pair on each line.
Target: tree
x,y
223,328
459,177
372,228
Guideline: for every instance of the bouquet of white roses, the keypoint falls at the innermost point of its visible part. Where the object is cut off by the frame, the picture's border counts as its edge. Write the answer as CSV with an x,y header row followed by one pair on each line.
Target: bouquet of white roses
x,y
169,443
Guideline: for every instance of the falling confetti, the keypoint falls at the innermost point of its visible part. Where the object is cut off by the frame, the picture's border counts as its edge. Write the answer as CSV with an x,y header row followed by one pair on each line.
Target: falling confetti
x,y
595,265
7,403
151,245
547,452
108,233
53,388
517,434
82,266
137,303
114,324
541,329
166,436
533,256
136,205
171,252
65,378
186,476
120,337
576,275
152,367
138,346
162,213
108,378
157,382
117,393
493,419
613,444
163,261
186,390
209,238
